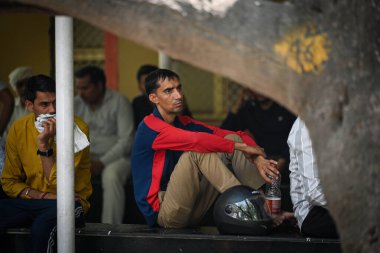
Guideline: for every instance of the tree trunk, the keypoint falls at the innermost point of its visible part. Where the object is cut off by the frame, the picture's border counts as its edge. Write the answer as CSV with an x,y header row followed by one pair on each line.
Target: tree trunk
x,y
318,58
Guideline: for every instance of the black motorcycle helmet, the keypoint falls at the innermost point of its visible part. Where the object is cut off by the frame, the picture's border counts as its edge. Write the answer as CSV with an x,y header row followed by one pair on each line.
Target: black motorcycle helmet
x,y
242,210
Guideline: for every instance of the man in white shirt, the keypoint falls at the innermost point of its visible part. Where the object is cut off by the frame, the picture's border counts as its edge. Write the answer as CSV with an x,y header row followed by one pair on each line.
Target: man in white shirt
x,y
309,203
18,79
6,105
110,119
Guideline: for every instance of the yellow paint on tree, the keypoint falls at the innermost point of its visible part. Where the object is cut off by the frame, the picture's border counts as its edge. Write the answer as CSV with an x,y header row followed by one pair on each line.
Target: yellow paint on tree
x,y
304,49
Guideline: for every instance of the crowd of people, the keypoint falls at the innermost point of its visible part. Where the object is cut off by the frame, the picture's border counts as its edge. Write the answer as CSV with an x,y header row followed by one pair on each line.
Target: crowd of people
x,y
178,165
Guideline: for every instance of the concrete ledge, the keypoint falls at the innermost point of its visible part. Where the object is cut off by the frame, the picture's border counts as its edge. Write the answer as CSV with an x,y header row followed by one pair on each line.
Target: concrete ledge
x,y
97,237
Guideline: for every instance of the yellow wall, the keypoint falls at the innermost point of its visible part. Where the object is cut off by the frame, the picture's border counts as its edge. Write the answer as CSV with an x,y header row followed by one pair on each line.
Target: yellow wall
x,y
24,42
131,57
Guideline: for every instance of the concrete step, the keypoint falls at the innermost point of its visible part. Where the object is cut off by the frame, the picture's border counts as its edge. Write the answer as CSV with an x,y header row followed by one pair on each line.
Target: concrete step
x,y
96,237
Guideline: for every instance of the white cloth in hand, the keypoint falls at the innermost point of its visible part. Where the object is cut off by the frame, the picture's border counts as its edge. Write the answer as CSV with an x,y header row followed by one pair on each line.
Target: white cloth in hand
x,y
80,139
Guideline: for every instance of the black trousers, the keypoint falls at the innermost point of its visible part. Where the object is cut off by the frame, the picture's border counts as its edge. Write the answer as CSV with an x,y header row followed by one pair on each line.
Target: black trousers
x,y
319,223
38,214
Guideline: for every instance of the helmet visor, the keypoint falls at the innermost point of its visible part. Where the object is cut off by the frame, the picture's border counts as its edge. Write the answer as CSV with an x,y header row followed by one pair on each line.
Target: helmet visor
x,y
249,209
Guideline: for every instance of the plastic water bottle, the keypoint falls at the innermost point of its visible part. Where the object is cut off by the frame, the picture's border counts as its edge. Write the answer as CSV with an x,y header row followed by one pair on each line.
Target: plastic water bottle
x,y
273,196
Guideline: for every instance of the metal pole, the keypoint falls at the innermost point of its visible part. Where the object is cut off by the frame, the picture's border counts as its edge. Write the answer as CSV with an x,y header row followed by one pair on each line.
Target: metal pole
x,y
164,61
65,133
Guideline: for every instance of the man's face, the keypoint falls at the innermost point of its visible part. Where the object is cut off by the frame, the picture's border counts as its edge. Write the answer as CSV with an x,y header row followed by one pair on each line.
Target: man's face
x,y
90,92
168,97
43,104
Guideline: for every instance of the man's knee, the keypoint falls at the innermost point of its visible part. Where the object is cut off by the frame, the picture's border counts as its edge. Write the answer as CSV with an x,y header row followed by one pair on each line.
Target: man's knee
x,y
192,157
108,174
196,156
188,156
115,174
233,137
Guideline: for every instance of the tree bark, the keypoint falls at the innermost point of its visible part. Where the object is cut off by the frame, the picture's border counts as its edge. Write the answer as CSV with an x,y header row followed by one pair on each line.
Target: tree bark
x,y
318,58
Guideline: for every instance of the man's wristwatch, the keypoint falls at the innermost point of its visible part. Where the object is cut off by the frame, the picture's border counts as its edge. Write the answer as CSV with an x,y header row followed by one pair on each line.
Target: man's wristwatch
x,y
46,153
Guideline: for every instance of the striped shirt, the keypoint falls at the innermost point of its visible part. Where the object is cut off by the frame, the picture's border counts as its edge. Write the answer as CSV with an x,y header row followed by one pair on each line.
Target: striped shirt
x,y
305,187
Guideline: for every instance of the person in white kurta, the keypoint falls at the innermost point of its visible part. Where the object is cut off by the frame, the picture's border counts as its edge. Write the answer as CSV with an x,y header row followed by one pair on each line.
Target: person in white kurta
x,y
110,119
6,108
309,202
18,79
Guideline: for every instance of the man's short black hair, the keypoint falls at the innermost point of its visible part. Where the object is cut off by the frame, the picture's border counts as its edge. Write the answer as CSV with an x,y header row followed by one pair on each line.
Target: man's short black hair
x,y
95,73
153,79
40,83
145,70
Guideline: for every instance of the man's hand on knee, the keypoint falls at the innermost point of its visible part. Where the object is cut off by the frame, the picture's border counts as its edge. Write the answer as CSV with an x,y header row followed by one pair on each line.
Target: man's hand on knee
x,y
250,152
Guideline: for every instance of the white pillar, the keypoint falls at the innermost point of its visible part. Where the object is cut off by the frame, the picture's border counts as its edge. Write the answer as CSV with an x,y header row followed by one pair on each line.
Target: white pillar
x,y
65,133
164,61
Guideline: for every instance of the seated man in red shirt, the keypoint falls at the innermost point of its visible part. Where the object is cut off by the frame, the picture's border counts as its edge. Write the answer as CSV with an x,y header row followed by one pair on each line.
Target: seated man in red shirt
x,y
179,165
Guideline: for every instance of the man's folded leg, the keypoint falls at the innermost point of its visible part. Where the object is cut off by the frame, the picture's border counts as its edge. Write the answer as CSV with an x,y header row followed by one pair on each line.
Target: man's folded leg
x,y
187,199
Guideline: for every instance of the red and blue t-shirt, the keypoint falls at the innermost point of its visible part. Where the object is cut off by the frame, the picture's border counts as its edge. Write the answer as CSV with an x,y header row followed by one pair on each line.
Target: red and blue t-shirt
x,y
157,148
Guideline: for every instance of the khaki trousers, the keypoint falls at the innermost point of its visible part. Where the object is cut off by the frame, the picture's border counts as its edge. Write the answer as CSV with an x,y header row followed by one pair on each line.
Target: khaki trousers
x,y
196,182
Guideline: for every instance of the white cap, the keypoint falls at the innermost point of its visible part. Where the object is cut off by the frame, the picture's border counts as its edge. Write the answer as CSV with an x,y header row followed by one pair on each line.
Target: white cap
x,y
18,74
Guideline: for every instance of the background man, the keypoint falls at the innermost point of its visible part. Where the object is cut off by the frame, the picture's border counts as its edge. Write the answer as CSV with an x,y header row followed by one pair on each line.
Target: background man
x,y
266,121
6,105
18,79
310,206
179,164
269,125
141,104
110,119
29,175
